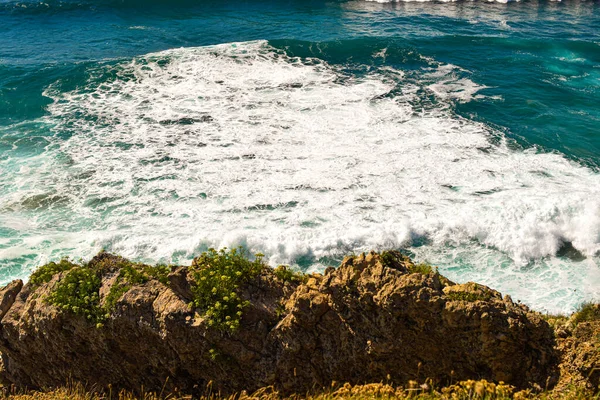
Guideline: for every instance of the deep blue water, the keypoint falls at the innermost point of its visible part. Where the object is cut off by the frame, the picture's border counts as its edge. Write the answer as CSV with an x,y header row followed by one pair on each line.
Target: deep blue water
x,y
466,134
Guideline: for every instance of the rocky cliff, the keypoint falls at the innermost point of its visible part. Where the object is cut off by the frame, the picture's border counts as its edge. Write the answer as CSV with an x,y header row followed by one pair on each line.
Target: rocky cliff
x,y
378,317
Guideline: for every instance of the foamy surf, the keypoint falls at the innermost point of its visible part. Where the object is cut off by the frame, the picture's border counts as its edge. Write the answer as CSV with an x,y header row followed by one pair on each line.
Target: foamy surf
x,y
439,1
165,155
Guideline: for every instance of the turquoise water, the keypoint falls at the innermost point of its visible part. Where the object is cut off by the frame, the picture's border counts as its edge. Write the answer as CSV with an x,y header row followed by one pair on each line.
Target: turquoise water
x,y
465,134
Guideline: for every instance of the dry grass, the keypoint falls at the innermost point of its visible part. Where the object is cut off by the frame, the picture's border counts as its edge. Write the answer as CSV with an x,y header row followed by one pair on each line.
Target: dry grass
x,y
465,390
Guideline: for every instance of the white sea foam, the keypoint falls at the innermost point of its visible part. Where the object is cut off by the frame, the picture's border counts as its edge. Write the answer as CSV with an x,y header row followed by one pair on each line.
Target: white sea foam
x,y
242,144
447,85
439,1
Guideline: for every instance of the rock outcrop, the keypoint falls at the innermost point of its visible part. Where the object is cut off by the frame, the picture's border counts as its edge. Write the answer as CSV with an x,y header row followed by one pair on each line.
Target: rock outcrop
x,y
579,345
372,319
367,320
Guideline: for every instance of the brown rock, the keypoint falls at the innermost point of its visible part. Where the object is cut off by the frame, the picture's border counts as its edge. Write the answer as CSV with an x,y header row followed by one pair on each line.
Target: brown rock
x,y
367,321
580,356
8,295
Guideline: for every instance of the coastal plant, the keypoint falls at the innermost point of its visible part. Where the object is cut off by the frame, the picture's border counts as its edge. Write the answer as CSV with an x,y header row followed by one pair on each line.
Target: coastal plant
x,y
105,262
45,273
214,354
555,320
422,268
387,258
280,310
285,274
587,312
470,296
218,277
391,258
78,292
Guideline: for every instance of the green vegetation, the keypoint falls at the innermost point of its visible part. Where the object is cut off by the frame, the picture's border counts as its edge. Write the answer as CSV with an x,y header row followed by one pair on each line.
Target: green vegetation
x,y
45,273
217,277
421,268
78,292
280,310
555,320
551,317
587,312
391,258
394,259
214,354
388,258
469,296
286,274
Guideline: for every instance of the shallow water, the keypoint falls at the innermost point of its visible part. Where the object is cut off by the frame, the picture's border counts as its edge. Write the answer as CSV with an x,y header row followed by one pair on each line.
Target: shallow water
x,y
465,134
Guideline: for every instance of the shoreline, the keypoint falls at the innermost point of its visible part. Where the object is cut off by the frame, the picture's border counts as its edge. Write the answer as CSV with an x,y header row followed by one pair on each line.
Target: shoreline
x,y
240,325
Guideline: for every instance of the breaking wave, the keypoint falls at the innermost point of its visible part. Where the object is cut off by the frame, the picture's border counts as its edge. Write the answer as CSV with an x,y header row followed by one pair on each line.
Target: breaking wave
x,y
162,156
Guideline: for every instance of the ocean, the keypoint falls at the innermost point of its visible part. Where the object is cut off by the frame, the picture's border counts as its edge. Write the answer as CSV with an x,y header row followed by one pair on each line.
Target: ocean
x,y
465,134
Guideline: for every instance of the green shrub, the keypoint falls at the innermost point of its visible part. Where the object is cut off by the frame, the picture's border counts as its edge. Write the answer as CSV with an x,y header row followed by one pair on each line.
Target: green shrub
x,y
286,274
421,268
78,292
587,312
387,258
159,272
217,277
45,273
